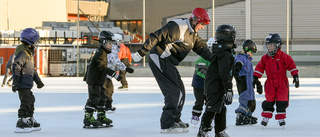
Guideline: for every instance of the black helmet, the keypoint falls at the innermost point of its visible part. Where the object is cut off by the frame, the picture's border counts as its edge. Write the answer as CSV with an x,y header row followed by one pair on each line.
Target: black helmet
x,y
226,34
104,38
249,45
272,44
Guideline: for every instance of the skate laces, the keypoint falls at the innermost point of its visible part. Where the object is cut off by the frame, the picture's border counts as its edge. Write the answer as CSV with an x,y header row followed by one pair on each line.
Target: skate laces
x,y
281,121
24,120
265,119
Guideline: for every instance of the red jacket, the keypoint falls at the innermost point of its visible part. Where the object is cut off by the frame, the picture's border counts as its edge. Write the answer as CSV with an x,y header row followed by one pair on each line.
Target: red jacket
x,y
276,67
124,53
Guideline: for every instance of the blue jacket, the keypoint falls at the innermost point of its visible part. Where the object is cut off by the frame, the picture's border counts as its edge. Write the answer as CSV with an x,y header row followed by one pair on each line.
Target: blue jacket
x,y
23,67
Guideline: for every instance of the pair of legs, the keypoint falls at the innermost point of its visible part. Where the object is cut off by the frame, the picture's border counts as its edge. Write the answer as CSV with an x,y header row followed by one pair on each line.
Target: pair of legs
x,y
97,98
275,95
172,88
109,92
26,103
124,82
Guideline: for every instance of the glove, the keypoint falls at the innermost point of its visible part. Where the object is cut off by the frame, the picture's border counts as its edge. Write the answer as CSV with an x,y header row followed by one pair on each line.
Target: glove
x,y
116,76
129,70
136,57
258,83
39,84
15,85
236,75
296,81
228,96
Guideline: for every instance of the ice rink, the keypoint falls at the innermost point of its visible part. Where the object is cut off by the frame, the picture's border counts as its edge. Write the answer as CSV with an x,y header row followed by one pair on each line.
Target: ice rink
x,y
59,109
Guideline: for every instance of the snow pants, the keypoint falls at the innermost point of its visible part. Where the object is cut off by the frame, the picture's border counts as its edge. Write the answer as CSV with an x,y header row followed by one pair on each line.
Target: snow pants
x,y
26,103
123,73
200,100
171,86
276,94
97,98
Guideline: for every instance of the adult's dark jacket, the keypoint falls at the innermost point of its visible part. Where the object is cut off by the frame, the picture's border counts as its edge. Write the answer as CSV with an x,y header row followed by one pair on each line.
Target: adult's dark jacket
x,y
219,74
175,39
23,67
98,70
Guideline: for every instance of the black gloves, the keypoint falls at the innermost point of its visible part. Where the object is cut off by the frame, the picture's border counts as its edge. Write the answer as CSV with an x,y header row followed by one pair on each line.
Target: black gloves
x,y
39,84
116,76
237,68
129,70
296,81
258,83
228,96
15,84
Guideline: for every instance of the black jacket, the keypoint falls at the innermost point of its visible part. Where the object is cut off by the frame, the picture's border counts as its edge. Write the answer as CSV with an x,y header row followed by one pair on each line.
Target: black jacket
x,y
175,39
23,67
98,70
219,74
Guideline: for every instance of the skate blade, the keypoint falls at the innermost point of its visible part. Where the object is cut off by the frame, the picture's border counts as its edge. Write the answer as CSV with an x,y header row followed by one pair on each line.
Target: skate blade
x,y
23,130
105,126
172,131
90,127
36,128
123,89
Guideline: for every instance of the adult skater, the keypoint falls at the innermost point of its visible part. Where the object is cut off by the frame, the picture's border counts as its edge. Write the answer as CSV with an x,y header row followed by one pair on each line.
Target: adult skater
x,y
218,82
243,74
8,70
275,63
95,77
168,46
126,58
24,73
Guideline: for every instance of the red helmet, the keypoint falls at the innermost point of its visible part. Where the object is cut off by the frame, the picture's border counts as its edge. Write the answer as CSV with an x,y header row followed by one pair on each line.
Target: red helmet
x,y
201,15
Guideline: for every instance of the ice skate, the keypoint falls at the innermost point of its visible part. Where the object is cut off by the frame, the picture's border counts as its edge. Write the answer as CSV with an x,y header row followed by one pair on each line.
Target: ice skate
x,y
23,126
184,126
253,120
103,120
194,120
175,129
282,123
2,85
89,121
222,134
109,107
242,120
264,121
123,87
34,124
9,84
204,132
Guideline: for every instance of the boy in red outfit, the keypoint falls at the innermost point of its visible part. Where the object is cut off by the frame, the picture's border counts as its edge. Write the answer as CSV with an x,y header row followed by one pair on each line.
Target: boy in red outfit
x,y
275,63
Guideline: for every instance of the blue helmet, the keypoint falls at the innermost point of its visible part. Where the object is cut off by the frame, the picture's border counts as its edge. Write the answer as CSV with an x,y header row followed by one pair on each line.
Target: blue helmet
x,y
29,35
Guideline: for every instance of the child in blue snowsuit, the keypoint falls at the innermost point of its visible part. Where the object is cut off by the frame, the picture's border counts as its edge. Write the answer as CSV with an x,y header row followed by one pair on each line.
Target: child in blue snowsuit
x,y
243,73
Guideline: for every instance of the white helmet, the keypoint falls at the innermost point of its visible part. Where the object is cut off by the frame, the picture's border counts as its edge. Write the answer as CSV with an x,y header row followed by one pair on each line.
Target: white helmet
x,y
117,38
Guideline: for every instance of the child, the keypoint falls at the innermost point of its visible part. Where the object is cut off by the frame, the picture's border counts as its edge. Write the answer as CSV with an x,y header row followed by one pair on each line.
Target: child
x,y
95,77
198,85
243,73
23,75
218,82
276,87
113,61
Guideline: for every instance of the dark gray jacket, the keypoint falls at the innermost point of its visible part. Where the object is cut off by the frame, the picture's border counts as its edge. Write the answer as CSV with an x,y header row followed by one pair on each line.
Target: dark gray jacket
x,y
10,62
23,67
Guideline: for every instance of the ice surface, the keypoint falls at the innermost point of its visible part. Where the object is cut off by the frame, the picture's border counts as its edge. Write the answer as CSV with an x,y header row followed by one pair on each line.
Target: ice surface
x,y
59,109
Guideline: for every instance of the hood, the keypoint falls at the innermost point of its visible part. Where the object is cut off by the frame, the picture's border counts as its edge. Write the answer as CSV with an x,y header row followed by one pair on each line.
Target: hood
x,y
22,47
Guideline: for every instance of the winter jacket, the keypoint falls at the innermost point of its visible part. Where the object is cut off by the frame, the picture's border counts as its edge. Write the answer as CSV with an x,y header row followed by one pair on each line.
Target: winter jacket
x,y
175,39
98,70
201,69
245,73
113,60
10,62
125,53
23,67
276,68
219,75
